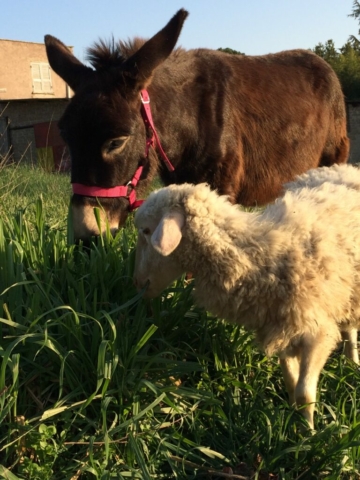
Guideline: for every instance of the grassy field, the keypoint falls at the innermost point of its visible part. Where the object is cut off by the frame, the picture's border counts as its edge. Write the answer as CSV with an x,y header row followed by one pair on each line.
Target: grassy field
x,y
96,383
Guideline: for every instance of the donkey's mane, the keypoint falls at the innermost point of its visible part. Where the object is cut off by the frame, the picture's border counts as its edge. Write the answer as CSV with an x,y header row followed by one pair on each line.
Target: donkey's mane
x,y
107,53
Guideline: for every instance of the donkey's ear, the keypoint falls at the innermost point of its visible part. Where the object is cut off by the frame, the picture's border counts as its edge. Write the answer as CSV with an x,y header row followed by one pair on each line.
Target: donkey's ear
x,y
65,64
168,233
140,66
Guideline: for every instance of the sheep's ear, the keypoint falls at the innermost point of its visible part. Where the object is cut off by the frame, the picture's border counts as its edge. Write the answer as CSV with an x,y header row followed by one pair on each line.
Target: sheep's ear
x,y
167,234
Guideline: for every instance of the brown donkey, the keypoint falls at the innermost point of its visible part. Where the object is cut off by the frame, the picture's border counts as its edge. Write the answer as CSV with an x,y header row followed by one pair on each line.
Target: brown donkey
x,y
243,124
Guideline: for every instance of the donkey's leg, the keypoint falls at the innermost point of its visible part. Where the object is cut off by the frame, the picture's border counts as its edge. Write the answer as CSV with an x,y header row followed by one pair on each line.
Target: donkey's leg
x,y
290,368
351,348
314,351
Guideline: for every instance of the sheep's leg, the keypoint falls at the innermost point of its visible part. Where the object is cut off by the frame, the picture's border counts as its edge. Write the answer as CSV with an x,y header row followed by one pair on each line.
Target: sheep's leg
x,y
351,348
314,352
290,368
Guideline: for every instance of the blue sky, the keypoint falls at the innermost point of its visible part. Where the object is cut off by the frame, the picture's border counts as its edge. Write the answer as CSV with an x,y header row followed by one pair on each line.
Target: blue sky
x,y
252,26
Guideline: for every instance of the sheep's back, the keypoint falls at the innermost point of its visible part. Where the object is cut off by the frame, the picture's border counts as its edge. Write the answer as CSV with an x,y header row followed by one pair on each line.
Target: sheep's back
x,y
305,268
343,174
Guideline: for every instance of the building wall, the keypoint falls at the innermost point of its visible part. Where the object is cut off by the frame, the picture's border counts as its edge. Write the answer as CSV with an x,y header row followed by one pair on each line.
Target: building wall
x,y
353,114
16,77
18,119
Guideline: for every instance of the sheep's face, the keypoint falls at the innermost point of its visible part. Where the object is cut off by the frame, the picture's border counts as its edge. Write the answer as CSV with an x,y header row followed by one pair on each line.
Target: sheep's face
x,y
156,264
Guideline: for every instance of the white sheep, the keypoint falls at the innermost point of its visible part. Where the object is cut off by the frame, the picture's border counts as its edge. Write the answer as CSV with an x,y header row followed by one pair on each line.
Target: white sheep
x,y
342,175
289,273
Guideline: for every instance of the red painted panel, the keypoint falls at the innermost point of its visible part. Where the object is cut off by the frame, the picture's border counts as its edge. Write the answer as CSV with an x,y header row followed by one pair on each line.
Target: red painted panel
x,y
47,134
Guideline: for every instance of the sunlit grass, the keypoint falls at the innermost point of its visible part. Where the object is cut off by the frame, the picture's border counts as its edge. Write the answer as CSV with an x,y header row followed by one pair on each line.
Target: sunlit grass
x,y
22,185
97,383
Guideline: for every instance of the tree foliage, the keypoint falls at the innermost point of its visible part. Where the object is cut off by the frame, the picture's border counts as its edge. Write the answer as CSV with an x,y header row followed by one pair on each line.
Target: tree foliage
x,y
231,51
346,63
345,60
356,10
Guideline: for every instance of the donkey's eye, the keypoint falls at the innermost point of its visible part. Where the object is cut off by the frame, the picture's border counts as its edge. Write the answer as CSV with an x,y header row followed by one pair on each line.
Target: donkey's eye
x,y
146,231
114,144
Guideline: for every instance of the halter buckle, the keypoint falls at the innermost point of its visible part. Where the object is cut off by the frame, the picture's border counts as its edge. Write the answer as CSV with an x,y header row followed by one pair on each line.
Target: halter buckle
x,y
145,102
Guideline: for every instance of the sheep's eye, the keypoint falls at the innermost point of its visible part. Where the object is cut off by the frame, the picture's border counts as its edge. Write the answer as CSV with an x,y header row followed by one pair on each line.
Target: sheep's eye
x,y
146,231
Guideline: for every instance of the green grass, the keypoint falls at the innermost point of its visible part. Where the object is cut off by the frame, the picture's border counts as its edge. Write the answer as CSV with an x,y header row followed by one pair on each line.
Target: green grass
x,y
22,186
96,383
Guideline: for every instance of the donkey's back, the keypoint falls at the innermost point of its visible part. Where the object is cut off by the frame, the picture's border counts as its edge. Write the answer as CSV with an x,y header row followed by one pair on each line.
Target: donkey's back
x,y
263,119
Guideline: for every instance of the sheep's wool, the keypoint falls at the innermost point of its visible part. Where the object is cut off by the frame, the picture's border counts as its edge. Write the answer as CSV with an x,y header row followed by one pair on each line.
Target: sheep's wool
x,y
287,271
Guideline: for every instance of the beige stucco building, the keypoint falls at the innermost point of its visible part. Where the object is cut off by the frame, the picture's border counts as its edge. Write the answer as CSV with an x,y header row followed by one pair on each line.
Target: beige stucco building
x,y
353,127
25,73
32,99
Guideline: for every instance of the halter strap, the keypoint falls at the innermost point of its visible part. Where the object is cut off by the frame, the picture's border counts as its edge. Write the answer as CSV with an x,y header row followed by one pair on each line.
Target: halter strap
x,y
113,192
148,120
